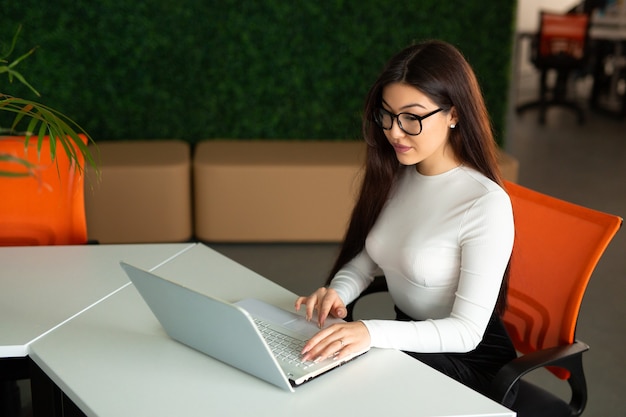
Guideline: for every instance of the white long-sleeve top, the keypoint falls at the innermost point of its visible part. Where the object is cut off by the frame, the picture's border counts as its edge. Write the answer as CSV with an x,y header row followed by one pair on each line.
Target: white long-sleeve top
x,y
443,243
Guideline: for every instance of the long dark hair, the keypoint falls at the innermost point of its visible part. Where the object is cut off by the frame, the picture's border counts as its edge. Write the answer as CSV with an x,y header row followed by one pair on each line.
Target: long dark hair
x,y
440,71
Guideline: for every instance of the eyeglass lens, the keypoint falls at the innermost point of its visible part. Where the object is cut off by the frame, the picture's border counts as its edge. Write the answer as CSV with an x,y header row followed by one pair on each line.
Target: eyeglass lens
x,y
406,121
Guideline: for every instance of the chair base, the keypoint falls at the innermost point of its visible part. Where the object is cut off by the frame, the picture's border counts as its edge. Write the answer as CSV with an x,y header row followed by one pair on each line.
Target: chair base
x,y
553,95
543,107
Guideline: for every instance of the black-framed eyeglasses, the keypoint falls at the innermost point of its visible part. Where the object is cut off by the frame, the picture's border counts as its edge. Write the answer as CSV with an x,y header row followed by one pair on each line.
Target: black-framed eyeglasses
x,y
410,123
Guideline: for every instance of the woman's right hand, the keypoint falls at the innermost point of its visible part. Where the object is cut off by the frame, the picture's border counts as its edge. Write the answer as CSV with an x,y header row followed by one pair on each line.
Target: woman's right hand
x,y
325,301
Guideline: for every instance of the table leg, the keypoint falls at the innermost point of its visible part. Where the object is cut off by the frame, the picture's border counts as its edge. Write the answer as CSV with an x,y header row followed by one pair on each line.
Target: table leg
x,y
48,399
11,371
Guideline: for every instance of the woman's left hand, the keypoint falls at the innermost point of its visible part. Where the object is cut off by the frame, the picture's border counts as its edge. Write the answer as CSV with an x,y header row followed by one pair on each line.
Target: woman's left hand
x,y
337,341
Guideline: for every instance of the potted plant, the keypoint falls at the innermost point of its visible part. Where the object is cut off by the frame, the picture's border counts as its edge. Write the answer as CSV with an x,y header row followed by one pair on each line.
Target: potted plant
x,y
40,122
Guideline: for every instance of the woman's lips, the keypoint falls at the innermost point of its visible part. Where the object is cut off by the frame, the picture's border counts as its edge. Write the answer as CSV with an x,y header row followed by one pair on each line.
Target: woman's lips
x,y
401,148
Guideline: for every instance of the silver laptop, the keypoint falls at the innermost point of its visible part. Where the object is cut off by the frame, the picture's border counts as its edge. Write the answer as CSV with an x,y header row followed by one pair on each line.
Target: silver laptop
x,y
242,334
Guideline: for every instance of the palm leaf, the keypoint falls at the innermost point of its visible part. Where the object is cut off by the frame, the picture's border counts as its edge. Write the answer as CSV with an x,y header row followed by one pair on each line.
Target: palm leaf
x,y
45,121
23,168
13,43
41,121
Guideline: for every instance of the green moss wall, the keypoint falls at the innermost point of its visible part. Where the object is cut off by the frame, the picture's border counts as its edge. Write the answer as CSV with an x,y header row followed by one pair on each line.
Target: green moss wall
x,y
196,69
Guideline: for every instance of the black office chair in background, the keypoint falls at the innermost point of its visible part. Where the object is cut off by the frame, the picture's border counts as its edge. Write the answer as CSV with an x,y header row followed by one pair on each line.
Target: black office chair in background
x,y
560,46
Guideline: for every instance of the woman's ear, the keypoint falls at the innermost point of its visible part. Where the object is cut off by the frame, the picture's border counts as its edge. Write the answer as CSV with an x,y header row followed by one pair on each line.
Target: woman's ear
x,y
453,119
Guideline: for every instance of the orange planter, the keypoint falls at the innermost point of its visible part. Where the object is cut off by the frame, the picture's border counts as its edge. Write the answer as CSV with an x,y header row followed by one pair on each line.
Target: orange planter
x,y
47,207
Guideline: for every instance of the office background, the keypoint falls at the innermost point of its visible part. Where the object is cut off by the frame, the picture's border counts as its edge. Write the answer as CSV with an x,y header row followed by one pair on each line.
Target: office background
x,y
127,94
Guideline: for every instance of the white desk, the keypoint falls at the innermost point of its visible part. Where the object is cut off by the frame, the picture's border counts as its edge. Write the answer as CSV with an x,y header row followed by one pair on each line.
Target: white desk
x,y
114,359
42,287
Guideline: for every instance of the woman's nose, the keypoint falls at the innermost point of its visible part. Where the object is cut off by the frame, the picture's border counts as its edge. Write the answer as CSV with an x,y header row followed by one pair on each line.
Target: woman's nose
x,y
396,131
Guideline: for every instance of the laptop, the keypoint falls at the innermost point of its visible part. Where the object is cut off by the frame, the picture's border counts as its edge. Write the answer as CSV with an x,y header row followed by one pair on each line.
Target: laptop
x,y
240,334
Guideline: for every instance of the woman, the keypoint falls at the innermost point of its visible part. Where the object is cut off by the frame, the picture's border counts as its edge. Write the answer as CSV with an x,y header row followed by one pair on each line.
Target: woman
x,y
432,214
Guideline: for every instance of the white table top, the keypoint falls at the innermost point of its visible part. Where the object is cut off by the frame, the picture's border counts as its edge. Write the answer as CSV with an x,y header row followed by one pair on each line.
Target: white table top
x,y
42,287
115,359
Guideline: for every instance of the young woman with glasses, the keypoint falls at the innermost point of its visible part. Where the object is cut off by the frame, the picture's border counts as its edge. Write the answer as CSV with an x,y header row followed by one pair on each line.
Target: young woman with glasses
x,y
433,216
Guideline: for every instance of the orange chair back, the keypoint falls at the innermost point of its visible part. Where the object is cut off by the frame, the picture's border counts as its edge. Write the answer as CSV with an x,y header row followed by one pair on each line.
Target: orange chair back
x,y
47,208
557,246
563,34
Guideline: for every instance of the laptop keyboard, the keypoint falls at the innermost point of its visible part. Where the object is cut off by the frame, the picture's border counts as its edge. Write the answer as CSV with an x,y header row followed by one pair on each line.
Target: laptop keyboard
x,y
286,348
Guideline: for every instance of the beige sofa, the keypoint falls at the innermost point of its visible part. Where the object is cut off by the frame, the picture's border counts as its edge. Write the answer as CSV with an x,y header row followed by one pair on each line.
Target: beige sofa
x,y
276,191
143,194
227,190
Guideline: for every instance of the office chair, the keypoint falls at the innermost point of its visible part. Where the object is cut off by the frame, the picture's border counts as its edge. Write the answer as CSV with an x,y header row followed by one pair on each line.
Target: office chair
x,y
46,207
560,46
557,246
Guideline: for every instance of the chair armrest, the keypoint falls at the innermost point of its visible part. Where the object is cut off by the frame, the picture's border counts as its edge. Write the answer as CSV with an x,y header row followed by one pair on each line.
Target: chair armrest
x,y
567,356
378,285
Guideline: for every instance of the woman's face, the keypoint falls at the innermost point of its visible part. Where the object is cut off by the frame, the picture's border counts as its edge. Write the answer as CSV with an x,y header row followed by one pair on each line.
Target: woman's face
x,y
430,150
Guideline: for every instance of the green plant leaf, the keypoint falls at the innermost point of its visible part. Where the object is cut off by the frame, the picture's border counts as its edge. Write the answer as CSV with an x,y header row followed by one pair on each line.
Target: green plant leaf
x,y
22,57
20,78
21,163
42,121
13,43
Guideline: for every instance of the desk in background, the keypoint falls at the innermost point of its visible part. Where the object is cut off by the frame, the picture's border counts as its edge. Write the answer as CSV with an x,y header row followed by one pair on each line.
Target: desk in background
x,y
608,35
115,359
